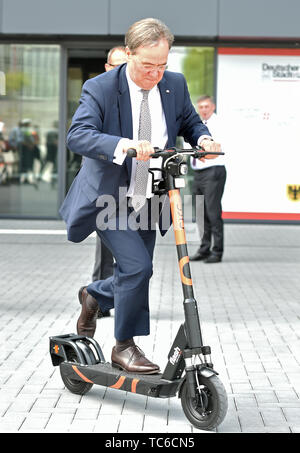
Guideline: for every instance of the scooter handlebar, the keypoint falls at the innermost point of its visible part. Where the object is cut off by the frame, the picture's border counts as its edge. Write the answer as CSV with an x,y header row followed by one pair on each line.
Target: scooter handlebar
x,y
193,152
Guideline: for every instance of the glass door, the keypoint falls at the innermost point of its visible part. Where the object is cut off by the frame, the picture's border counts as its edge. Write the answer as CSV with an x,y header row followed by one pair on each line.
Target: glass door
x,y
29,112
80,69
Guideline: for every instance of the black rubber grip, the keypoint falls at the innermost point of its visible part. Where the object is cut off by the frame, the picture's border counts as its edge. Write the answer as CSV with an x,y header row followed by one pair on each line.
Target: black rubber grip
x,y
131,152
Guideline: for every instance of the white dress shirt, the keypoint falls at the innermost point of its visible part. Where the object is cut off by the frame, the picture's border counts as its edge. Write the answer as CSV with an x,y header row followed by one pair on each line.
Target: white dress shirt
x,y
214,128
159,135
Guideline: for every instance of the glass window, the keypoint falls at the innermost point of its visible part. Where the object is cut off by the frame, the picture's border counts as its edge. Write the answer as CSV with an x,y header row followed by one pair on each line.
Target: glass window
x,y
29,111
75,81
198,66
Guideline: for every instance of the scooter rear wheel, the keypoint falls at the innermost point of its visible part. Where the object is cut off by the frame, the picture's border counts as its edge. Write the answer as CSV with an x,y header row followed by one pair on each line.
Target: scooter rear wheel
x,y
209,408
77,387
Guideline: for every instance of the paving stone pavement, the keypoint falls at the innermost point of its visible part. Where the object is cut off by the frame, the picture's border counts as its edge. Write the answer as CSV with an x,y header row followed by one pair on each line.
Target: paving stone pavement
x,y
249,311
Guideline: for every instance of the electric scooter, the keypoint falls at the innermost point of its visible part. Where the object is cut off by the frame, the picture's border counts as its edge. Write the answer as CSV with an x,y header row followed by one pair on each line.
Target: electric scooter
x,y
189,371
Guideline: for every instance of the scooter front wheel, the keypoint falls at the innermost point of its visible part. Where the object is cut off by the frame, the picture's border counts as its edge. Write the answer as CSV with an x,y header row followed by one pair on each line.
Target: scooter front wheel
x,y
208,409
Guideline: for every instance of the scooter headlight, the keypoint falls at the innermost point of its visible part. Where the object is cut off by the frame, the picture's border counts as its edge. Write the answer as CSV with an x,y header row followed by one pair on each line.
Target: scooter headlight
x,y
183,169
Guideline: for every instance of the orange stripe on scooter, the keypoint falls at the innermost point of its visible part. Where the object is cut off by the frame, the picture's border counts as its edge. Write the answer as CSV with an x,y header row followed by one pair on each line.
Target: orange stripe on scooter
x,y
81,375
134,383
179,237
119,383
177,217
184,279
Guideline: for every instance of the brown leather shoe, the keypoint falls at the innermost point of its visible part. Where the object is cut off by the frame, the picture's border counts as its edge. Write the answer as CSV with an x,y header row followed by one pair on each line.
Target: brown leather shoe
x,y
87,321
133,360
101,314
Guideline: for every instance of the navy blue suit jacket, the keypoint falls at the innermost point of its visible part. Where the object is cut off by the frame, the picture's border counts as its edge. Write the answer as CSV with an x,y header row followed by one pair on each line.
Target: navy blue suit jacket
x,y
102,118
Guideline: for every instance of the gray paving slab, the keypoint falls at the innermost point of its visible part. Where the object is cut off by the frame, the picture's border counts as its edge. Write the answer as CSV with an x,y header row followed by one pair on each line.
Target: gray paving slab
x,y
249,312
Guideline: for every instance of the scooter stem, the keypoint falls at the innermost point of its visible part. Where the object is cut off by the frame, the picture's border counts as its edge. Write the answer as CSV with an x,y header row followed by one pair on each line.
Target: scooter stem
x,y
192,323
181,245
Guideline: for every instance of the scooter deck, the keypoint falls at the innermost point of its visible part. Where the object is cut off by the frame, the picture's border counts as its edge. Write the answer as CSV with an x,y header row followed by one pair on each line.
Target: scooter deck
x,y
105,374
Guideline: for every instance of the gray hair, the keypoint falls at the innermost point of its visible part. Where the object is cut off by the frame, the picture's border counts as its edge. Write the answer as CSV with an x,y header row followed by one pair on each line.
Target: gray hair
x,y
205,97
147,32
121,48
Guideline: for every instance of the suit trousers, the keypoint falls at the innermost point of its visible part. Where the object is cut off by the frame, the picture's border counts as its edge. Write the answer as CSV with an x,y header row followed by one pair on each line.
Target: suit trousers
x,y
127,290
103,266
210,182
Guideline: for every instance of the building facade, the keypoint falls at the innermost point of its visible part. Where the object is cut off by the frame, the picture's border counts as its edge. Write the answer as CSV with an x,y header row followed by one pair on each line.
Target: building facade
x,y
235,50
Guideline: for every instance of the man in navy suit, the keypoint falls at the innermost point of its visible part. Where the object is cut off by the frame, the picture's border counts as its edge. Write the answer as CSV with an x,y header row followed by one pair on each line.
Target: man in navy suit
x,y
106,124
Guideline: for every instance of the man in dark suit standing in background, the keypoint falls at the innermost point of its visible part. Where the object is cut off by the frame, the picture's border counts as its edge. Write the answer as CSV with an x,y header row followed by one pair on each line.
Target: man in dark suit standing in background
x,y
137,105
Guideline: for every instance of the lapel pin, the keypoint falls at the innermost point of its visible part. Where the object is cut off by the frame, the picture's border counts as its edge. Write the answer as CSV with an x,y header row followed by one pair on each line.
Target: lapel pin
x,y
167,91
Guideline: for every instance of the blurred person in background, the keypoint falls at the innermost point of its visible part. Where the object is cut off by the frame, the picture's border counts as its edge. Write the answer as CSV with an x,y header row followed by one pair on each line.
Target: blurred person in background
x,y
50,166
3,167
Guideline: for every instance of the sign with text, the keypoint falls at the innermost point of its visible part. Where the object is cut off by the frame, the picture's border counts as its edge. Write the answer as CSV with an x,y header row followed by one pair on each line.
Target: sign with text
x,y
258,99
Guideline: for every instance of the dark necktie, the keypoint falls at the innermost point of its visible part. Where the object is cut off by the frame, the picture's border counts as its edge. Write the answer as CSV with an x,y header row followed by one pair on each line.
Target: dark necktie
x,y
141,176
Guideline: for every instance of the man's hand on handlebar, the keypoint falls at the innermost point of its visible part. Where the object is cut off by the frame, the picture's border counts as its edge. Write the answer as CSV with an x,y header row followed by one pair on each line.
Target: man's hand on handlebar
x,y
210,146
144,149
